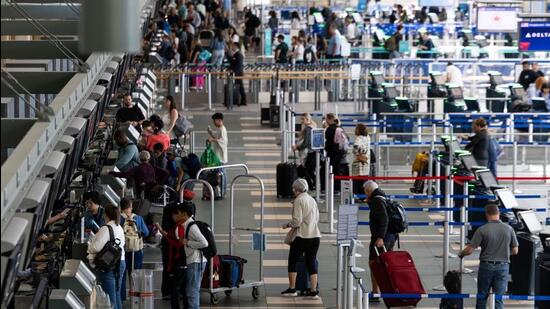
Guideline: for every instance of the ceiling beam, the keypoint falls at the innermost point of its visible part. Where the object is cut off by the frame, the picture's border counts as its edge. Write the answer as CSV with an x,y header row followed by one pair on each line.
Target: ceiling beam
x,y
38,82
23,27
41,11
37,50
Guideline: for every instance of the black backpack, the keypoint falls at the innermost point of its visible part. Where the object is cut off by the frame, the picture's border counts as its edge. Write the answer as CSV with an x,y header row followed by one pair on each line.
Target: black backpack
x,y
108,259
397,216
206,231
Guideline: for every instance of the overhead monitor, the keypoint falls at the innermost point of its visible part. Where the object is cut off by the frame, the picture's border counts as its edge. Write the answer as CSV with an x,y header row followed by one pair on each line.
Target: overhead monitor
x,y
487,179
391,92
507,198
438,3
534,36
530,221
497,19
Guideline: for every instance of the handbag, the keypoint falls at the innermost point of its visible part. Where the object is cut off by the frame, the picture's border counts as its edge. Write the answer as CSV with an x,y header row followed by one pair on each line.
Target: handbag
x,y
291,235
182,126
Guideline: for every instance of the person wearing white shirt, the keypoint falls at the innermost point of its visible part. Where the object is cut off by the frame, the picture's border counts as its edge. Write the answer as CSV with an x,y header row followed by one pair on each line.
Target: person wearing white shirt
x,y
454,75
307,237
217,136
350,29
110,281
297,50
193,241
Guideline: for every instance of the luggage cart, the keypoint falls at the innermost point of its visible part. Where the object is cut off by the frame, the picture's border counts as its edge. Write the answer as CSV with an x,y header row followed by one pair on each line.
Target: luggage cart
x,y
246,284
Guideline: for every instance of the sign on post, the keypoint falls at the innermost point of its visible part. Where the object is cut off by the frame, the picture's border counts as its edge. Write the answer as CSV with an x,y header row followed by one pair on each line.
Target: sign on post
x,y
317,139
347,223
346,192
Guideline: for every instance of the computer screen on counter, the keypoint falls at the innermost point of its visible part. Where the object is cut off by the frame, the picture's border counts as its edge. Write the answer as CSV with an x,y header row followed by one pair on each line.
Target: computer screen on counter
x,y
507,198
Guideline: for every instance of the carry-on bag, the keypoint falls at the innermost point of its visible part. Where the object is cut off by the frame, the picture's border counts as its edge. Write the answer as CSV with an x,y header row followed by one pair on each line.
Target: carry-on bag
x,y
286,174
232,269
216,178
205,283
395,272
303,282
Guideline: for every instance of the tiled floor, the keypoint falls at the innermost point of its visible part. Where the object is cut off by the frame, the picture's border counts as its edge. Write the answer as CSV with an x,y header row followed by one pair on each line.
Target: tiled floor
x,y
262,156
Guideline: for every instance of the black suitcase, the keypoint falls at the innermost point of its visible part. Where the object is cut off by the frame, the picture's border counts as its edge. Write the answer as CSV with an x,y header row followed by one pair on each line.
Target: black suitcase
x,y
522,266
286,174
265,115
542,279
234,95
216,178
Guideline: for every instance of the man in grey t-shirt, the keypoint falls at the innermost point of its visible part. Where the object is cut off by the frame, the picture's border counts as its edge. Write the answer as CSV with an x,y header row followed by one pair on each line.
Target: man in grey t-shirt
x,y
497,241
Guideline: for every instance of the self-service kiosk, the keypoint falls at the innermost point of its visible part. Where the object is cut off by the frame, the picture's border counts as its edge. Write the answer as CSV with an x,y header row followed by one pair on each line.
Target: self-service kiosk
x,y
496,92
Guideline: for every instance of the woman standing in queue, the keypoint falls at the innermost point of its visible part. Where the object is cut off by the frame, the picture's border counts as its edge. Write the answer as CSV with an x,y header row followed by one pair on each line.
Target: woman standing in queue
x,y
304,239
361,157
110,281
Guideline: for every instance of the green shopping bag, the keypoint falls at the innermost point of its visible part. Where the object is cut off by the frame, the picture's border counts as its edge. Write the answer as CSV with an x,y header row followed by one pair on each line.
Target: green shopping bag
x,y
209,157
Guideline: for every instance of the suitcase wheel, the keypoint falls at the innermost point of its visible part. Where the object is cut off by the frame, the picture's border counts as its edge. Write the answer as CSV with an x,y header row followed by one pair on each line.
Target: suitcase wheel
x,y
214,300
255,292
228,292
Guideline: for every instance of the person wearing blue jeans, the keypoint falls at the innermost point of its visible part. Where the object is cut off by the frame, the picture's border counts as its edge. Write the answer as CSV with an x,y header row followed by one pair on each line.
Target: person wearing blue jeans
x,y
111,285
193,278
134,259
498,241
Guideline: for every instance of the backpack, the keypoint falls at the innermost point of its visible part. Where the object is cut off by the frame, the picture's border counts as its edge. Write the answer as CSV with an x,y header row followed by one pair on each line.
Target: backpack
x,y
390,44
342,140
397,216
206,231
132,238
495,150
182,126
309,55
192,164
108,259
204,55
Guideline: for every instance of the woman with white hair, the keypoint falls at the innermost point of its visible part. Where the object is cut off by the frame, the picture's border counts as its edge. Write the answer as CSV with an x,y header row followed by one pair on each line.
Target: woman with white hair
x,y
304,238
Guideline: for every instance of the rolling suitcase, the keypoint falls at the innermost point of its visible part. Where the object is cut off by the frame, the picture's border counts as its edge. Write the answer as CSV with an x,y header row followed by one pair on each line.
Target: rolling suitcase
x,y
216,178
232,269
286,174
205,283
302,277
395,272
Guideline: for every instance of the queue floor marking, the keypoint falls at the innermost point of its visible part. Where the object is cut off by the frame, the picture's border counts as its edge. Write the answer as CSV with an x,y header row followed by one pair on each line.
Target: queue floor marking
x,y
275,263
263,162
262,146
265,181
249,118
262,154
266,193
280,300
259,138
264,171
246,124
273,205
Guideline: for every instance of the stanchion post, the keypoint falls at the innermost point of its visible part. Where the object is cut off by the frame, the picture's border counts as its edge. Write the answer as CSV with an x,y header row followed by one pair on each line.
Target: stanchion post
x,y
359,293
327,182
317,175
209,89
492,301
514,164
192,142
463,228
182,91
282,126
339,274
331,204
342,285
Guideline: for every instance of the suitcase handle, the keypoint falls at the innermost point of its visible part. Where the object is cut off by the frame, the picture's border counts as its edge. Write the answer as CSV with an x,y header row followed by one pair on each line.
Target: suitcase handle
x,y
376,250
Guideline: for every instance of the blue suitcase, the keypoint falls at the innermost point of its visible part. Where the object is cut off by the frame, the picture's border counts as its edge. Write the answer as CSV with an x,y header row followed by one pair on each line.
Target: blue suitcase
x,y
232,268
302,278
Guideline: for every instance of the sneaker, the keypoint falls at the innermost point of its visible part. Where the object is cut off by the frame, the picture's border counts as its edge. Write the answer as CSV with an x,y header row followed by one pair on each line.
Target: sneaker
x,y
312,294
289,293
374,299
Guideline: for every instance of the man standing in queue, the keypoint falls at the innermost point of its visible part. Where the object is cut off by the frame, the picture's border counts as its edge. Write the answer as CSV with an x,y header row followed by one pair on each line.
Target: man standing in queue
x,y
497,241
236,67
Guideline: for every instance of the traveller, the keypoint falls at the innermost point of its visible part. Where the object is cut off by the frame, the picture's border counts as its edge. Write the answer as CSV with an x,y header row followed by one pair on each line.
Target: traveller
x,y
193,16
361,156
128,153
442,16
378,217
129,112
173,17
534,89
498,241
110,281
233,36
173,162
310,52
298,50
527,75
426,44
295,21
334,147
351,34
392,43
144,175
170,117
192,240
93,216
281,50
479,142
334,49
306,155
236,66
158,135
252,22
536,68
158,156
218,47
306,238
545,94
135,230
217,136
454,75
273,23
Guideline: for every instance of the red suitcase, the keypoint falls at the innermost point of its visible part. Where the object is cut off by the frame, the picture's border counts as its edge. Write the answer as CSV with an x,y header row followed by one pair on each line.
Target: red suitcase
x,y
395,272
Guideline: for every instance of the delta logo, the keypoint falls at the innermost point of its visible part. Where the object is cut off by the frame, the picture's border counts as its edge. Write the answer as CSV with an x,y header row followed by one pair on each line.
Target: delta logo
x,y
537,35
524,46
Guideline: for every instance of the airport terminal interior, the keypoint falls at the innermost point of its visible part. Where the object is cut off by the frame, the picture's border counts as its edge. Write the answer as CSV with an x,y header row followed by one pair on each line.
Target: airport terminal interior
x,y
397,153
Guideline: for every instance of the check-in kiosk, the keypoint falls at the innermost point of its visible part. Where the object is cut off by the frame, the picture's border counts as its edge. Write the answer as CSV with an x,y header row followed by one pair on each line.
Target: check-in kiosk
x,y
455,100
377,89
496,93
437,92
391,97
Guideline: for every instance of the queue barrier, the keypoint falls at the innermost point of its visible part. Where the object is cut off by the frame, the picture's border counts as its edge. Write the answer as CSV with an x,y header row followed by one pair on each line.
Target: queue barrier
x,y
454,196
440,209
